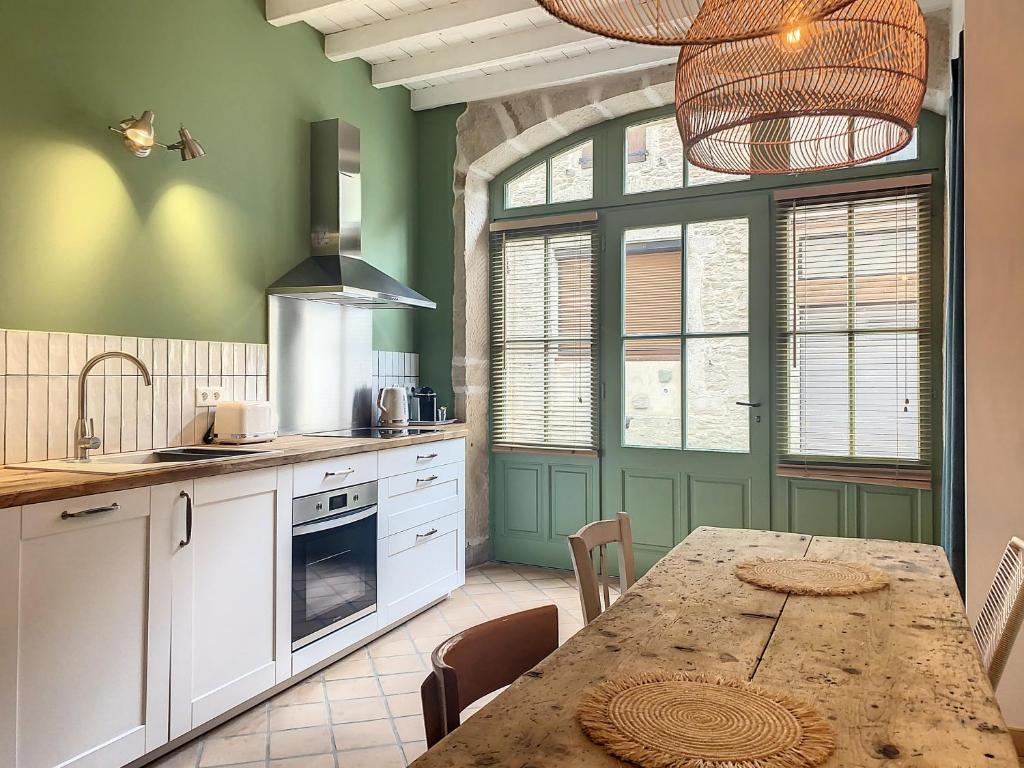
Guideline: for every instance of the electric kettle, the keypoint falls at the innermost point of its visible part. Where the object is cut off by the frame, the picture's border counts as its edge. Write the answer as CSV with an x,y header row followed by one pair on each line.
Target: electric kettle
x,y
393,407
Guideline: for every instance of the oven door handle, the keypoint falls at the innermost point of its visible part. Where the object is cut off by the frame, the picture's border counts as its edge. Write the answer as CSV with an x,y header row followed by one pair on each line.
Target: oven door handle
x,y
333,522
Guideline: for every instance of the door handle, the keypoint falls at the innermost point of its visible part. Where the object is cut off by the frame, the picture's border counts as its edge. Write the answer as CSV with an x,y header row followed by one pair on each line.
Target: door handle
x,y
426,535
749,405
430,479
65,515
424,457
188,519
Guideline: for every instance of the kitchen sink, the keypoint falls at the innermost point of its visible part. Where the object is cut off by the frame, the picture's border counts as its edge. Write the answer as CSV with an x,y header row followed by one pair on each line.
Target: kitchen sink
x,y
141,461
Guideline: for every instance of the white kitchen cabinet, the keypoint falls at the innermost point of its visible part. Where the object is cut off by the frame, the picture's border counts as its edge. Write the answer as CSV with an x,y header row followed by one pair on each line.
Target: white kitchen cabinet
x,y
421,526
84,632
420,565
227,644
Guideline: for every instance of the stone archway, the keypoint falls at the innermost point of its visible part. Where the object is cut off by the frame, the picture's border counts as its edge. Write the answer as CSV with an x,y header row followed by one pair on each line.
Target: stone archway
x,y
493,135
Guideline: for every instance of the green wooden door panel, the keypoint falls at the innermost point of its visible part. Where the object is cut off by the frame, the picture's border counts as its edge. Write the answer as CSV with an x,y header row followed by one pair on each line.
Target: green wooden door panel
x,y
817,508
522,498
537,501
652,501
893,513
571,499
724,503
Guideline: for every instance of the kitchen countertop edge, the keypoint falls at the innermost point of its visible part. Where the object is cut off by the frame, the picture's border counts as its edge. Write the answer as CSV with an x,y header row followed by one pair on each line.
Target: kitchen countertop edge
x,y
19,487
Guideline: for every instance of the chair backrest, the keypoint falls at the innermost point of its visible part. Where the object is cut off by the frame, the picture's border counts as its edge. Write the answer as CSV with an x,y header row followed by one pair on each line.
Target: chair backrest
x,y
593,583
482,659
1000,619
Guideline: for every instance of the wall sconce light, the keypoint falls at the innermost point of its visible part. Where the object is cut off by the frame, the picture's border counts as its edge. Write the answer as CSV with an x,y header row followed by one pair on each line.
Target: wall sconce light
x,y
139,138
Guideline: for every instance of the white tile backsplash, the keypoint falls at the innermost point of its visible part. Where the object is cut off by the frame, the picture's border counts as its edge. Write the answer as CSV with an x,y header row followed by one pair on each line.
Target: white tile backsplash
x,y
385,367
39,390
17,353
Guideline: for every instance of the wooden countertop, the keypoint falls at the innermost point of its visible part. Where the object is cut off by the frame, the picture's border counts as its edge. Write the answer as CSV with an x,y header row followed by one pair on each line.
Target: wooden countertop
x,y
30,486
896,672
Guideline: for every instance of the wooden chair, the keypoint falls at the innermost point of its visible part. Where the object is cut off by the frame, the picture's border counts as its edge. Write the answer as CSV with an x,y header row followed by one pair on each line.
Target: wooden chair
x,y
597,536
481,660
1003,613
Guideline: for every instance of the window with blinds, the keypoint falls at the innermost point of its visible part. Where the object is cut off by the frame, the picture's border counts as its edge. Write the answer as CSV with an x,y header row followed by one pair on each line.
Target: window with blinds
x,y
854,333
544,333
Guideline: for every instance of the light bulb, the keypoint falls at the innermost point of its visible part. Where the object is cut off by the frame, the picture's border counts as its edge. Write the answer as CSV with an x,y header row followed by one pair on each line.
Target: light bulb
x,y
795,37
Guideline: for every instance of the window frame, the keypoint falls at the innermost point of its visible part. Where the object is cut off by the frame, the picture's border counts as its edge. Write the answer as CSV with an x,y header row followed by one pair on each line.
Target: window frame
x,y
929,300
548,227
683,336
609,151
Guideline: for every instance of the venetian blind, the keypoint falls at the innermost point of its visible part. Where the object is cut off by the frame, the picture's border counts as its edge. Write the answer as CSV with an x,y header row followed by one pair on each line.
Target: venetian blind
x,y
854,369
544,333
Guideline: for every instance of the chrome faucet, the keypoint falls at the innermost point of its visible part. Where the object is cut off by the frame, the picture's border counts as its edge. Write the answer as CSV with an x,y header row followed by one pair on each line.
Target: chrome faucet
x,y
85,430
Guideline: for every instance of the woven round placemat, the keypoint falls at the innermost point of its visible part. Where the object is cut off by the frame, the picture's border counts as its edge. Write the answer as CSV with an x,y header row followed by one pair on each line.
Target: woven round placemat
x,y
683,720
799,576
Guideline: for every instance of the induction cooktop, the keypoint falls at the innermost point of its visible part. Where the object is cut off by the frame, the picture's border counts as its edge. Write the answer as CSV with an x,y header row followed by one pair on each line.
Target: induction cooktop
x,y
374,432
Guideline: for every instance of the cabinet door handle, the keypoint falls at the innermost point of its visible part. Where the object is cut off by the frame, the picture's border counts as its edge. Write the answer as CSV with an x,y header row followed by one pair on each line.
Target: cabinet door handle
x,y
347,471
430,479
426,535
426,456
188,519
65,515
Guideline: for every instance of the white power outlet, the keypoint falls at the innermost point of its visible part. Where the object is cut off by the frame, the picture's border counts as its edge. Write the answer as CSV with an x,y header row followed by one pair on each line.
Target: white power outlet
x,y
210,396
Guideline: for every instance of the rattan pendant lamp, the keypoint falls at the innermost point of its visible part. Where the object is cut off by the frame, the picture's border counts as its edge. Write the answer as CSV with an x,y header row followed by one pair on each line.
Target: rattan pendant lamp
x,y
830,93
668,22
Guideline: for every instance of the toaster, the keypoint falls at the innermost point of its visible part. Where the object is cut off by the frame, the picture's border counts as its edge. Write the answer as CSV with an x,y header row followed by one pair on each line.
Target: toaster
x,y
245,421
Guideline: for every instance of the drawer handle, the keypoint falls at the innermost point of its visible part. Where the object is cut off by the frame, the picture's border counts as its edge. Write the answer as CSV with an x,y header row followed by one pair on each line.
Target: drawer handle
x,y
348,471
65,515
425,457
430,479
426,535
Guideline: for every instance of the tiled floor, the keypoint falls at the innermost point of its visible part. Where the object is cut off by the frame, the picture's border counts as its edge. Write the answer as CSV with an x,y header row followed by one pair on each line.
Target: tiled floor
x,y
364,711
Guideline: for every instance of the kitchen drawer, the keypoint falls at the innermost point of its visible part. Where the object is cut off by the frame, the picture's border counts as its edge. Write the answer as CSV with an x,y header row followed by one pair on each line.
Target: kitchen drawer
x,y
419,566
422,535
398,461
328,474
409,500
99,509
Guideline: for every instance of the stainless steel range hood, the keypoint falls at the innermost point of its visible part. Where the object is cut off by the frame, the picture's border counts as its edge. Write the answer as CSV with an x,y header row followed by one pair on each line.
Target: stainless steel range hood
x,y
336,272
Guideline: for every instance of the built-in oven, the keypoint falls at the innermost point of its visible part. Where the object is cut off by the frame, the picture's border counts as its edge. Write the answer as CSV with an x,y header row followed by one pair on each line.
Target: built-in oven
x,y
334,561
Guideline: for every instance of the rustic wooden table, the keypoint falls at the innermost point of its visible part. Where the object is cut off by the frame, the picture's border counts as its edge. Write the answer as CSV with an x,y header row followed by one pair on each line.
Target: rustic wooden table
x,y
896,672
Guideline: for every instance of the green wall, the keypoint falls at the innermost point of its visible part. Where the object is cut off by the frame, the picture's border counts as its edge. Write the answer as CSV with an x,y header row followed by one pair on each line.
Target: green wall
x,y
95,240
435,245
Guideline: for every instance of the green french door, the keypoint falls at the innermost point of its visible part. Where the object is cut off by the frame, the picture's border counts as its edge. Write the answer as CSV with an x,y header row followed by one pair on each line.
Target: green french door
x,y
685,348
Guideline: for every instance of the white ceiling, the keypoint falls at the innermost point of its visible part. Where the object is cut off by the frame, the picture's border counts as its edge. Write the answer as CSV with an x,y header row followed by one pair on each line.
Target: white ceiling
x,y
449,52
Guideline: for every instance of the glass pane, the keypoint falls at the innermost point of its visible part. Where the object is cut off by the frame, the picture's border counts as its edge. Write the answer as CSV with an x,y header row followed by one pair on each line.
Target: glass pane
x,y
818,418
887,418
653,280
529,188
568,400
654,156
696,176
572,174
520,416
909,152
652,394
716,276
524,287
716,378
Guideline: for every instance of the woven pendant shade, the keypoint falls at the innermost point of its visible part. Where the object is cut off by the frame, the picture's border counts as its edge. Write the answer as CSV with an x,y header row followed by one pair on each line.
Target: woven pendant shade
x,y
668,22
831,93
